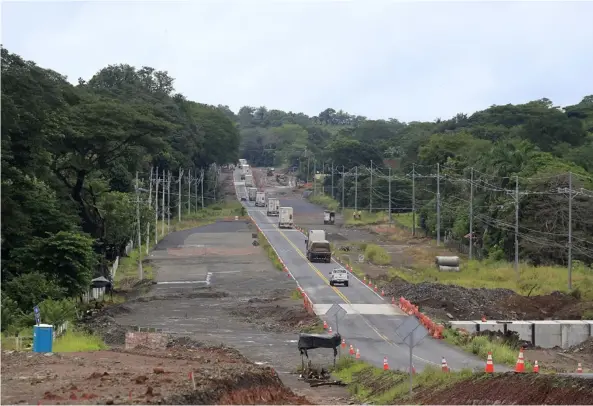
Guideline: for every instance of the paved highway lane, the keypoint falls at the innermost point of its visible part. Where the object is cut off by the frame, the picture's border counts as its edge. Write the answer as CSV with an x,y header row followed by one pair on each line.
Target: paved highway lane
x,y
371,321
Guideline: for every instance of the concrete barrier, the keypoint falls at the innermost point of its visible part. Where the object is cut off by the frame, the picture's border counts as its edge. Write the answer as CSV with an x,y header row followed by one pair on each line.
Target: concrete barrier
x,y
541,333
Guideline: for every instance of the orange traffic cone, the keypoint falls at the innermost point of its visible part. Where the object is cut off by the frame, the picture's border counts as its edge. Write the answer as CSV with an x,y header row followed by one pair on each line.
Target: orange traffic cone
x,y
364,278
520,365
385,364
370,283
579,368
375,287
489,364
343,343
392,300
413,370
444,366
357,353
382,292
324,325
330,329
535,367
351,349
484,319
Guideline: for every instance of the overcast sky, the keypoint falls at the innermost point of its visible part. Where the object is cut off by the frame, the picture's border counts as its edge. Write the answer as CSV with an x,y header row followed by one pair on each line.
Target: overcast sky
x,y
411,61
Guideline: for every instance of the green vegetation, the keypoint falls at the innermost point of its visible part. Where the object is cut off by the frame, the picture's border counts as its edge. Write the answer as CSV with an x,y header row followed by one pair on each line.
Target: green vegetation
x,y
77,341
377,255
536,144
263,242
324,201
499,274
373,385
70,155
405,219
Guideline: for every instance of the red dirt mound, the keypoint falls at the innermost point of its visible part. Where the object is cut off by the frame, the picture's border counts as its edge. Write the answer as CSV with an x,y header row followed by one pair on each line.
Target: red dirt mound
x,y
513,389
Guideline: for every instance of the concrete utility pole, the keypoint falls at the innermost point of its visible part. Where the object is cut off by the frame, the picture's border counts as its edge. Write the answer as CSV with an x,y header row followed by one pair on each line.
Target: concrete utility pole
x,y
371,190
333,195
389,207
189,192
202,187
471,214
140,270
179,197
413,200
356,189
163,205
149,206
314,177
438,204
156,208
196,187
517,225
168,201
343,187
569,230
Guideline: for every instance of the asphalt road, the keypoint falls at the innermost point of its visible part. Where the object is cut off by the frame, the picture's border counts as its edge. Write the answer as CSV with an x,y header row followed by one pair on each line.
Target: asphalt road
x,y
370,322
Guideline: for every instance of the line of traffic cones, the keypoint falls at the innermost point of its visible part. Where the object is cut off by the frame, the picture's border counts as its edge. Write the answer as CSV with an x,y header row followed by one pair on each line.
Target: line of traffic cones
x,y
520,365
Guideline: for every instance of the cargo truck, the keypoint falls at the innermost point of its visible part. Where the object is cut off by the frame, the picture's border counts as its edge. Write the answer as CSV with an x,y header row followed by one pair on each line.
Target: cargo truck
x,y
285,218
252,192
318,250
260,199
249,180
273,206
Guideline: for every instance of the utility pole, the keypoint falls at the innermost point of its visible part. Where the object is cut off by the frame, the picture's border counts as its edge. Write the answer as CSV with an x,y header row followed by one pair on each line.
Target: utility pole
x,y
413,200
196,187
156,208
189,192
314,177
140,270
371,190
356,189
517,225
169,201
343,187
389,207
149,206
471,214
569,230
163,206
202,187
333,180
179,198
438,204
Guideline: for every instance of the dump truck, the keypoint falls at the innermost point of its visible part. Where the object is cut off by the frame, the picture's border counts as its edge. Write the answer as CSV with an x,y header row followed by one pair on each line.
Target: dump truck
x,y
285,217
317,235
252,193
260,199
249,180
273,206
318,249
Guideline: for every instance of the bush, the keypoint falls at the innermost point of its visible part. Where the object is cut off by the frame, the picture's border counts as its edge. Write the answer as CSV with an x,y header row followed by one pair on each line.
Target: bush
x,y
77,341
377,255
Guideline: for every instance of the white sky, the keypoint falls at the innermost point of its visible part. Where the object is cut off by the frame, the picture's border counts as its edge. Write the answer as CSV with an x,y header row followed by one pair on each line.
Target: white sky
x,y
407,60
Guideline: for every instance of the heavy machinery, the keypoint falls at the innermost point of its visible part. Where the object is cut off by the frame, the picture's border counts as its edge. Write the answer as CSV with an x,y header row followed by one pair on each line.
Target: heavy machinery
x,y
329,217
318,247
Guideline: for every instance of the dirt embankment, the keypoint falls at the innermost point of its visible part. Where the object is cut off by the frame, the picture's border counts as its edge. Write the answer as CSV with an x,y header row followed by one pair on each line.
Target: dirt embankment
x,y
459,303
512,389
142,376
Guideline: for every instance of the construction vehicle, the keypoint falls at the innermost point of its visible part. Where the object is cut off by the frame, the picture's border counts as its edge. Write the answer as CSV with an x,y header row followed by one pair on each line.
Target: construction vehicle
x,y
252,193
329,217
273,206
285,217
318,247
260,199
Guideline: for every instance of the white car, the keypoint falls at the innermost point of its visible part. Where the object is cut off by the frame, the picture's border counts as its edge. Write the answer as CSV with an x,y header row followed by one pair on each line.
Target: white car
x,y
339,276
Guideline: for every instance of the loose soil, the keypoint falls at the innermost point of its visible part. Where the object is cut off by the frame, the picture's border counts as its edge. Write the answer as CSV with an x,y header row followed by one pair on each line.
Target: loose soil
x,y
142,376
512,389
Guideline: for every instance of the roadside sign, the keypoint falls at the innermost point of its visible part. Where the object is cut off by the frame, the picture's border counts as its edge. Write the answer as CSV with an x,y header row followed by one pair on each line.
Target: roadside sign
x,y
37,315
360,258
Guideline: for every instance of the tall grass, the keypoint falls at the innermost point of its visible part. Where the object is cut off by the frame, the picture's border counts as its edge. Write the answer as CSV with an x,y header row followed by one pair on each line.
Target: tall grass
x,y
498,274
377,255
78,341
366,218
324,201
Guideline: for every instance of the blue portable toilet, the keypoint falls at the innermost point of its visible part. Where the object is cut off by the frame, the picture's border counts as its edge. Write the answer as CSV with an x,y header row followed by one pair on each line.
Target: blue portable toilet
x,y
43,338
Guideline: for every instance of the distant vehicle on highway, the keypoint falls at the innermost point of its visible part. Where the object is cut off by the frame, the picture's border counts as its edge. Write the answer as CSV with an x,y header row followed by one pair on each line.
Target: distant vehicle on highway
x,y
243,198
338,276
285,219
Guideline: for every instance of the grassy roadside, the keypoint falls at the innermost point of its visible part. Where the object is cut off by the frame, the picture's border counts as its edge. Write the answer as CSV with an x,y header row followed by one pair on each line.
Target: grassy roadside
x,y
369,384
127,271
78,341
263,242
324,201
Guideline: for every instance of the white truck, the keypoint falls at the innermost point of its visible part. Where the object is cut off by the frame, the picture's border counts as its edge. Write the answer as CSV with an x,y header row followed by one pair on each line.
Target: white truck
x,y
273,207
285,217
252,192
338,276
249,180
260,199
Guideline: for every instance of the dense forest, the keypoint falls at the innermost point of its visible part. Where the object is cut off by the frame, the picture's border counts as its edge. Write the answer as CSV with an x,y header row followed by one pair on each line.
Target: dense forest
x,y
70,155
507,157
